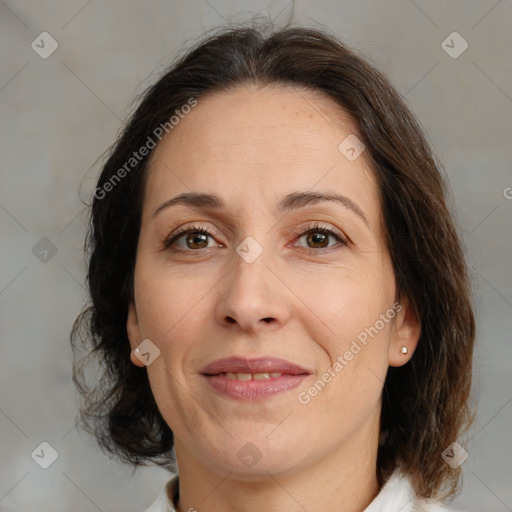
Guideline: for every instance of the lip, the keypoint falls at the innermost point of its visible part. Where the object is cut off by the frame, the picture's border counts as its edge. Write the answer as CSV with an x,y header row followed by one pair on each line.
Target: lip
x,y
252,365
253,390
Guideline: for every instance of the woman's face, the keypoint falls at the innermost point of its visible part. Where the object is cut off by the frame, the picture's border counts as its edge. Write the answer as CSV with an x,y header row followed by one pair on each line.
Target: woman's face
x,y
284,270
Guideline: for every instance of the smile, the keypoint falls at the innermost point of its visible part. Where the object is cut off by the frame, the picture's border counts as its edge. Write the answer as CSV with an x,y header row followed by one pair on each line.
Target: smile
x,y
248,379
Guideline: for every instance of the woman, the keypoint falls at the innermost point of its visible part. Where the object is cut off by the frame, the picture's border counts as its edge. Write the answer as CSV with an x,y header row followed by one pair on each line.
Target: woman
x,y
278,289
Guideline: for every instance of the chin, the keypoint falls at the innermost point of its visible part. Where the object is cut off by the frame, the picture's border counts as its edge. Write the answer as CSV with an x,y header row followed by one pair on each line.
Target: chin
x,y
254,458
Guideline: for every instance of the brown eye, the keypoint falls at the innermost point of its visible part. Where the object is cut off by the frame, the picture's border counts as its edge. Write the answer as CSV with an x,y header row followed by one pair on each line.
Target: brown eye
x,y
196,241
317,240
195,238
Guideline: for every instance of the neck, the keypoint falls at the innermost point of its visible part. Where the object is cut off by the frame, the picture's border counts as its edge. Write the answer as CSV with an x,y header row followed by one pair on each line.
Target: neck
x,y
344,480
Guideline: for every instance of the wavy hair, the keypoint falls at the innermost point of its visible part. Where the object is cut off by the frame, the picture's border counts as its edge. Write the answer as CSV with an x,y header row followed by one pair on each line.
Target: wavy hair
x,y
425,403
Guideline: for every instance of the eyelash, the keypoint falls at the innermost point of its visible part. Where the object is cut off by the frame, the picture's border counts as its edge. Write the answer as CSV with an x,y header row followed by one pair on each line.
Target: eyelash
x,y
317,227
168,241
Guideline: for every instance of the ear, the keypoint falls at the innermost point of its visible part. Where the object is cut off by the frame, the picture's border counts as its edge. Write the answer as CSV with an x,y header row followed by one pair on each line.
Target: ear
x,y
405,333
133,331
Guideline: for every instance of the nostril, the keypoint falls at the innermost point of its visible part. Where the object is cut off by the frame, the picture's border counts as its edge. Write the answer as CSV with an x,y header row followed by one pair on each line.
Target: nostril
x,y
267,320
230,320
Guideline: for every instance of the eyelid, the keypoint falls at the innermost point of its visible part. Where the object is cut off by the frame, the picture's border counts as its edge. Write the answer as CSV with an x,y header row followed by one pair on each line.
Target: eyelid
x,y
320,226
188,228
300,231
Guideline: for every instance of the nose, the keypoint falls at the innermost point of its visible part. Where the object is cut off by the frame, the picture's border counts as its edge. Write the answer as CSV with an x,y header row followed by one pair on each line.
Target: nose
x,y
252,298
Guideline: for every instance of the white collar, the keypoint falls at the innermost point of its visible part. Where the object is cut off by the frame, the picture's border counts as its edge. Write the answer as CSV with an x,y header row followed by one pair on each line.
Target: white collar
x,y
396,495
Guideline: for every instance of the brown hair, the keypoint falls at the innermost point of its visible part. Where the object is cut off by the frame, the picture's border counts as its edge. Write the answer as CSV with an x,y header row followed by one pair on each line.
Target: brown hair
x,y
425,402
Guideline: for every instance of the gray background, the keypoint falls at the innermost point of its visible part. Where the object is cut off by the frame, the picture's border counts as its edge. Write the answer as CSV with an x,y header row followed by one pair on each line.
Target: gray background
x,y
61,113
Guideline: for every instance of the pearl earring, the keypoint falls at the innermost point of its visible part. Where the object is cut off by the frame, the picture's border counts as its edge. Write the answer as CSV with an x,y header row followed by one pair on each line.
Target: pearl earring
x,y
404,350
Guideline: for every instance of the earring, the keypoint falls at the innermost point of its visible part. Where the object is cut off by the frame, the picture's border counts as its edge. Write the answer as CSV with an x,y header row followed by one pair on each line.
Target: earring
x,y
404,350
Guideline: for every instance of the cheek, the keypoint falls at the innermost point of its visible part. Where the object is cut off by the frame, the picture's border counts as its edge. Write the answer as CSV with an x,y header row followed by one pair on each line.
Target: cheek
x,y
343,317
171,319
169,306
342,302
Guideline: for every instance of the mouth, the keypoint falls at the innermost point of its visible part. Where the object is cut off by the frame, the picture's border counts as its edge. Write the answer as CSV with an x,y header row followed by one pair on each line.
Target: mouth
x,y
253,366
250,376
253,379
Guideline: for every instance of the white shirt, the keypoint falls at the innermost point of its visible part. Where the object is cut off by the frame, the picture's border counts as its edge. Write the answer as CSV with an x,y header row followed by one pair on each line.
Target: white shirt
x,y
397,494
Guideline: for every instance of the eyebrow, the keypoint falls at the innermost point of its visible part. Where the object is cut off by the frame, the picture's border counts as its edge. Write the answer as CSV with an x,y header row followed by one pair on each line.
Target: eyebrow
x,y
300,199
292,201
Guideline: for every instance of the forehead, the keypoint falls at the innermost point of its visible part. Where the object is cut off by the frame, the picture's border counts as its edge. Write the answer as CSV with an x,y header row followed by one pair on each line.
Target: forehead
x,y
260,141
253,116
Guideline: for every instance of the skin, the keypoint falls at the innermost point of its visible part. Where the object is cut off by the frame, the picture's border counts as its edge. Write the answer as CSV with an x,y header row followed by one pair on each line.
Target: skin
x,y
299,300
